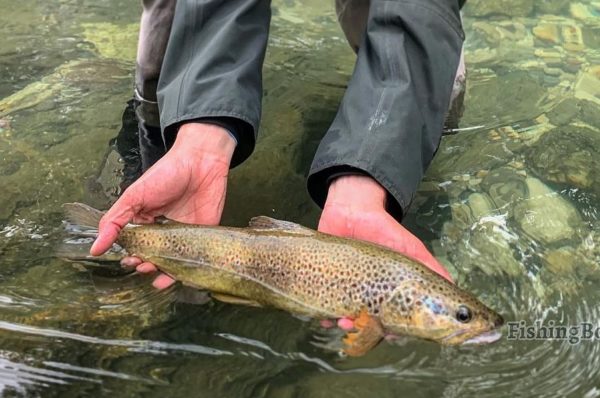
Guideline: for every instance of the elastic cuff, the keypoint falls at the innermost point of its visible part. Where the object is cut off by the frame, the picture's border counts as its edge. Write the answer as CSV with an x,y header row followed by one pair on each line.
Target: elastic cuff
x,y
146,110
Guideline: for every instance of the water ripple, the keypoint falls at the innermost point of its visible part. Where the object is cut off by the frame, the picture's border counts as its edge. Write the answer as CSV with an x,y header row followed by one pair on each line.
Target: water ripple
x,y
142,346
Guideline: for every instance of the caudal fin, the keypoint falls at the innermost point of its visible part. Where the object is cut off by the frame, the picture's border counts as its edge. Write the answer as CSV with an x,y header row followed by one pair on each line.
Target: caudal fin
x,y
83,215
82,225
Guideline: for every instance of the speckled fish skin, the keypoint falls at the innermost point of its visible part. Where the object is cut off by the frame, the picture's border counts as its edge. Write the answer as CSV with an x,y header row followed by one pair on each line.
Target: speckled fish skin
x,y
287,266
293,268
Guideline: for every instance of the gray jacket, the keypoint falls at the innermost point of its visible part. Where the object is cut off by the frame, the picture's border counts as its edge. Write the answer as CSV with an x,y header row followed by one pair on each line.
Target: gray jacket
x,y
390,120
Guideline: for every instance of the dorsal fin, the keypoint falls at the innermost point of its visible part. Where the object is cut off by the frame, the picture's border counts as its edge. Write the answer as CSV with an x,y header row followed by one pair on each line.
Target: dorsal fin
x,y
164,220
268,223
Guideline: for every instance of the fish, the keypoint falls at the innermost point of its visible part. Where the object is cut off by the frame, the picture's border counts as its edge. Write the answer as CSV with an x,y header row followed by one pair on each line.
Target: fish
x,y
280,264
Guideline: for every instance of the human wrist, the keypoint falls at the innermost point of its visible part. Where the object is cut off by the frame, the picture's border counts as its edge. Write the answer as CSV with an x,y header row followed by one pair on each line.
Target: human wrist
x,y
205,138
356,192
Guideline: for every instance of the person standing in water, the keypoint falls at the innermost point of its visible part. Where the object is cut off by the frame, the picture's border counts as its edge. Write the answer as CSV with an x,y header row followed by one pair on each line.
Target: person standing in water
x,y
199,84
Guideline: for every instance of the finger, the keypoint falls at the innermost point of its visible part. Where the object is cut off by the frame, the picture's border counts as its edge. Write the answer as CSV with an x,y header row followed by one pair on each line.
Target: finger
x,y
113,221
146,268
163,281
142,219
130,261
345,324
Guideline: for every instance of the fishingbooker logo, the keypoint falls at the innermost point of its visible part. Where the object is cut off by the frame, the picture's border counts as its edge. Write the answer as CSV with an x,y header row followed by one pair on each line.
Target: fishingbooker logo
x,y
574,334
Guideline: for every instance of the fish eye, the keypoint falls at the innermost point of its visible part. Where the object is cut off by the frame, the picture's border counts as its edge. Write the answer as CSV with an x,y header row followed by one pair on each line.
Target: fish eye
x,y
463,314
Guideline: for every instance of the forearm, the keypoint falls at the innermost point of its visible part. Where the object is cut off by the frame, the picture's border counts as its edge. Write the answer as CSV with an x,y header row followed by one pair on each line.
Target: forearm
x,y
213,67
356,193
390,121
204,139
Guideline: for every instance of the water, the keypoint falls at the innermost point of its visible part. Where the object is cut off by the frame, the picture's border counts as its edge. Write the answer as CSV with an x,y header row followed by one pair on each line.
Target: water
x,y
510,205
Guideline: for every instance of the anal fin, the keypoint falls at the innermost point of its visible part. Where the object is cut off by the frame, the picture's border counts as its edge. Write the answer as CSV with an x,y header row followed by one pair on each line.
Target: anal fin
x,y
229,299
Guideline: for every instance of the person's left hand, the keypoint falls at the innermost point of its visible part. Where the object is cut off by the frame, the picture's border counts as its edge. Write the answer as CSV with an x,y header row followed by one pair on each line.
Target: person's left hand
x,y
355,208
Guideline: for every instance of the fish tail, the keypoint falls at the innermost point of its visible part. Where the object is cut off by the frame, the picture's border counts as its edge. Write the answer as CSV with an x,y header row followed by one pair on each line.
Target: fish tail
x,y
82,225
77,251
82,215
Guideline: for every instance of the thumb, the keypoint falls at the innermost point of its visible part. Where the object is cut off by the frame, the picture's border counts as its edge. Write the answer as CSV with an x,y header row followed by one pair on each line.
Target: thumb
x,y
121,213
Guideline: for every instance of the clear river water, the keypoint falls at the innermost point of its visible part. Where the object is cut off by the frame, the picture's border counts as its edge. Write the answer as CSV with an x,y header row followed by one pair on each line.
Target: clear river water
x,y
511,205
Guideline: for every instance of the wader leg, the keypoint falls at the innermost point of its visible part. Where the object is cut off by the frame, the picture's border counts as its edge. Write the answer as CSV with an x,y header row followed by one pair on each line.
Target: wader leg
x,y
155,27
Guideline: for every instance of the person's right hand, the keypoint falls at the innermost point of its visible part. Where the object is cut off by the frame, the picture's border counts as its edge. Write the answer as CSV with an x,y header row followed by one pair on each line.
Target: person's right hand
x,y
187,185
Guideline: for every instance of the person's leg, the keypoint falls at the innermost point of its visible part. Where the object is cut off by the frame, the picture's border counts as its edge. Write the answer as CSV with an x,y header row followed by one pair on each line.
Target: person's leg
x,y
353,15
139,143
456,108
155,27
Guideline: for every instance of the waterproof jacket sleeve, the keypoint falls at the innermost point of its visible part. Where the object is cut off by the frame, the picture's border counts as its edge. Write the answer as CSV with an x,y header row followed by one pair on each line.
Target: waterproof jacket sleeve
x,y
212,69
390,121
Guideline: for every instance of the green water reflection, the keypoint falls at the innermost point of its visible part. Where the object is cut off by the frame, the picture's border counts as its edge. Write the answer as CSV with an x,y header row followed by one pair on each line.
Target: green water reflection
x,y
510,204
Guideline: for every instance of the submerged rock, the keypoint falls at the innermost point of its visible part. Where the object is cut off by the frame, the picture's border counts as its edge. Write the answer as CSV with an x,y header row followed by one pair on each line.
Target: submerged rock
x,y
511,8
496,32
488,246
568,155
588,13
64,82
588,85
485,91
545,216
505,187
572,38
112,40
561,261
466,213
547,32
555,7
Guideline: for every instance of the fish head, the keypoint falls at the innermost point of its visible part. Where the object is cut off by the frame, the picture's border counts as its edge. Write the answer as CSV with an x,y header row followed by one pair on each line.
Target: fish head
x,y
443,313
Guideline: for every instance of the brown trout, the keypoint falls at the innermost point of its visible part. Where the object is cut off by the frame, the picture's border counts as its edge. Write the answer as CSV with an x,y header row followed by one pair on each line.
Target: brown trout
x,y
287,266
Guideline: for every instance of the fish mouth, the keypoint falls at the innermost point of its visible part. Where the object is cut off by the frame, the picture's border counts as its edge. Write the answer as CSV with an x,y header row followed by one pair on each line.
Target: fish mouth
x,y
484,338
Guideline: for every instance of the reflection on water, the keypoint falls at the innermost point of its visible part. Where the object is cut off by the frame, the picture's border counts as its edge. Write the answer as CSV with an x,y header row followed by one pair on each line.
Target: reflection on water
x,y
510,204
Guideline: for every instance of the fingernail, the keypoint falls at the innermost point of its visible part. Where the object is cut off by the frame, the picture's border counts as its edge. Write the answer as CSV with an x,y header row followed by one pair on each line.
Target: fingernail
x,y
130,262
163,281
93,249
345,324
145,268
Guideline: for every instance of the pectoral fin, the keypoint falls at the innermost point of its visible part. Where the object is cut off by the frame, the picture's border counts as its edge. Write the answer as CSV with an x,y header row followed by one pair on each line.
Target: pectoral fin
x,y
226,298
368,333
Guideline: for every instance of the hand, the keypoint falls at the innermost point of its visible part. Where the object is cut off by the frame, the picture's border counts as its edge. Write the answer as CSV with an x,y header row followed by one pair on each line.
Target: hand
x,y
187,185
355,208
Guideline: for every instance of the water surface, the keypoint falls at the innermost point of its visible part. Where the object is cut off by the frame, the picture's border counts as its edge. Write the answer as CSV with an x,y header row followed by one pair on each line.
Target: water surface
x,y
510,205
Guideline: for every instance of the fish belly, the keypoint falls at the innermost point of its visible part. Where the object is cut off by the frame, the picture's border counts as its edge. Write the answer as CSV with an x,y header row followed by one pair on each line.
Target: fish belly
x,y
219,280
